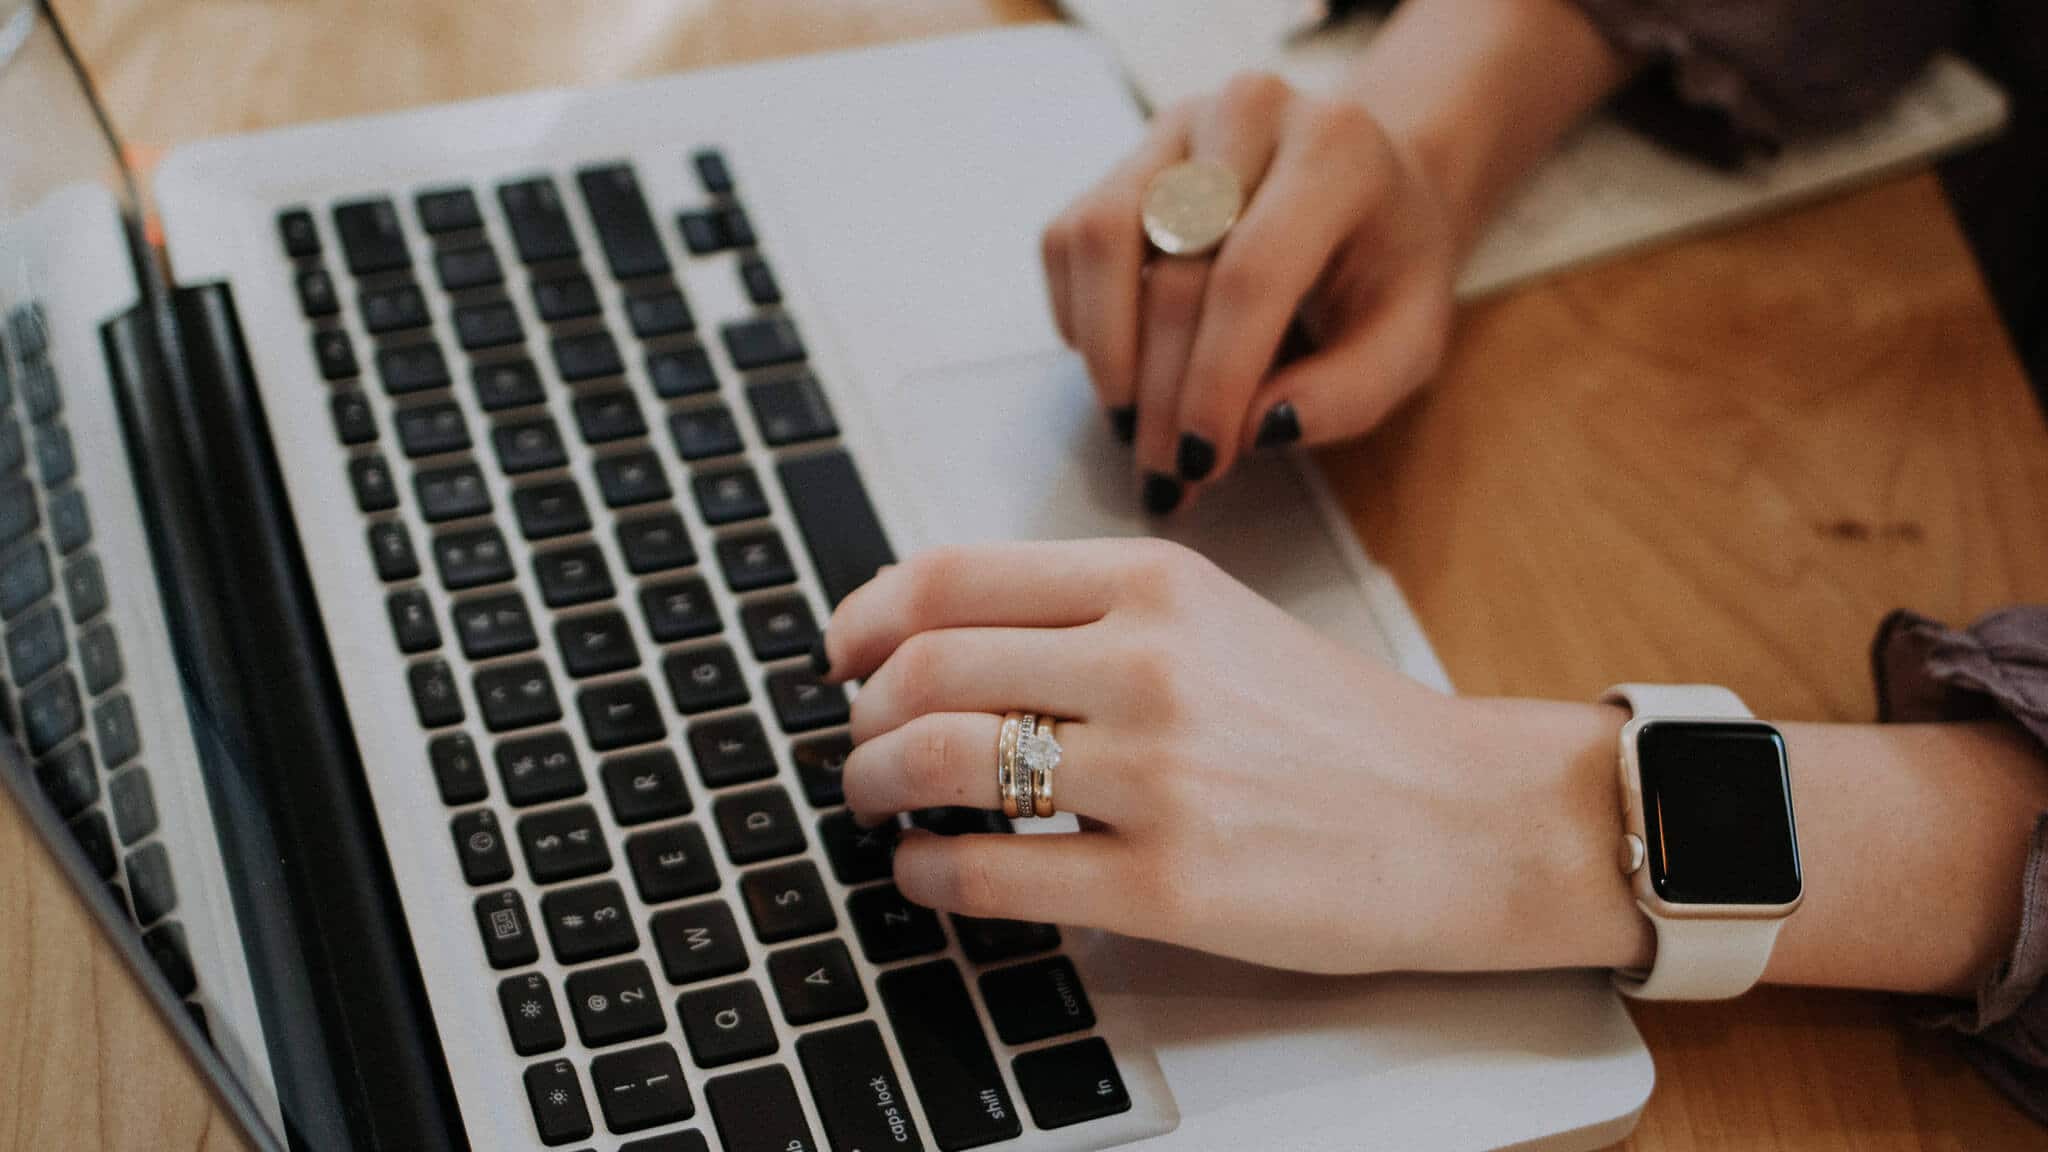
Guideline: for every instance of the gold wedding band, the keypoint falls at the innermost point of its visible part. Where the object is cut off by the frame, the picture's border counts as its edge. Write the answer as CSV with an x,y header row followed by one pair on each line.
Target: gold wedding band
x,y
1190,207
1006,764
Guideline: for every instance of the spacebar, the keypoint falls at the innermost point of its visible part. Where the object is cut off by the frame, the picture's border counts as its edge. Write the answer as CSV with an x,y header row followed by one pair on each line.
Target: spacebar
x,y
838,523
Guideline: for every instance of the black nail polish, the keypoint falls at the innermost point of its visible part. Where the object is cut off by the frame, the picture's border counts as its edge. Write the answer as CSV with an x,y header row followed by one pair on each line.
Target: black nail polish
x,y
821,663
1197,457
1162,493
1124,422
1281,426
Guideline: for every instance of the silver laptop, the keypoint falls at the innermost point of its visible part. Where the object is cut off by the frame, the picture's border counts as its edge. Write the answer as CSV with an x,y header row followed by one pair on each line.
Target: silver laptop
x,y
405,577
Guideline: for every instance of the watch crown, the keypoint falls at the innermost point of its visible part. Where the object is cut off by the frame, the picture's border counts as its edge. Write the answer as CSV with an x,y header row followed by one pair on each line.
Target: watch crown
x,y
1632,854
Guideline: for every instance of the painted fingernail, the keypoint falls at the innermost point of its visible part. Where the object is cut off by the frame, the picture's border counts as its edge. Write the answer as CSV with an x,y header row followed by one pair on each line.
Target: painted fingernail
x,y
821,661
1197,457
1124,422
1162,493
1281,426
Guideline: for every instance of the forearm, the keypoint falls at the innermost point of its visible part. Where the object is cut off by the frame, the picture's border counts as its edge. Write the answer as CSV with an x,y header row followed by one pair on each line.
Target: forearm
x,y
1483,90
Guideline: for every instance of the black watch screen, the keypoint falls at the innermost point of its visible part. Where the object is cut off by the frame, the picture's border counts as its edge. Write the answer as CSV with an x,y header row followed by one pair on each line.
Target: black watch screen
x,y
1717,813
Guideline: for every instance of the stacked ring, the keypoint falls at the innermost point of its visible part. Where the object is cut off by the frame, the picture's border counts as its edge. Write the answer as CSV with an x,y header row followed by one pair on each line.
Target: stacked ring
x,y
1006,764
1026,755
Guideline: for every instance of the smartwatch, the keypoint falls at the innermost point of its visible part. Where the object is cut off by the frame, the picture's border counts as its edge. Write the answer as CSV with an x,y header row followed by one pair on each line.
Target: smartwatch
x,y
1708,841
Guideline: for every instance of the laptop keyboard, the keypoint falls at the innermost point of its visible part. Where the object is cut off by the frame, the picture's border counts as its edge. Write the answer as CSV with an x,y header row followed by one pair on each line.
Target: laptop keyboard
x,y
68,704
646,910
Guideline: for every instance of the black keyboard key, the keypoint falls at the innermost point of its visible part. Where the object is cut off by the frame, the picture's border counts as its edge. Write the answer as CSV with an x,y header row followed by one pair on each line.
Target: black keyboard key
x,y
492,324
316,293
480,846
410,368
791,410
779,627
370,476
755,560
69,780
727,496
540,227
471,558
759,281
948,1057
574,574
993,941
664,313
50,712
434,695
641,1088
70,527
431,429
606,416
18,512
24,579
587,357
645,786
114,730
39,392
563,844
495,625
1032,1001
802,702
857,854
13,449
758,825
96,840
762,342
589,923
621,714
35,644
713,173
787,901
595,644
507,934
892,928
679,609
820,764
412,621
511,384
624,228
447,210
453,493
567,297
149,883
671,863
539,768
301,238
726,1023
133,804
631,478
698,942
860,1101
731,750
371,237
816,982
703,232
614,1004
530,1016
458,772
517,696
391,551
353,421
395,309
551,509
957,821
838,524
528,446
682,372
85,589
656,543
1071,1083
738,228
702,679
54,457
686,1140
166,947
702,433
557,1099
461,269
758,1111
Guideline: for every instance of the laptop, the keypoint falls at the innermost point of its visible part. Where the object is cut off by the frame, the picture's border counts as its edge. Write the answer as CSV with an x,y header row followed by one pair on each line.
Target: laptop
x,y
407,573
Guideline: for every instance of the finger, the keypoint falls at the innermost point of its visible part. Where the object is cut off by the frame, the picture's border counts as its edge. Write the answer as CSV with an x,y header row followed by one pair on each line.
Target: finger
x,y
948,759
1052,250
982,670
1348,387
1073,878
1045,584
1173,308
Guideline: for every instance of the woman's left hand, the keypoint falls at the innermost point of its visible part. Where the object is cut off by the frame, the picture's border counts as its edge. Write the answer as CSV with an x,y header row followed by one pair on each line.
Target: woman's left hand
x,y
1247,786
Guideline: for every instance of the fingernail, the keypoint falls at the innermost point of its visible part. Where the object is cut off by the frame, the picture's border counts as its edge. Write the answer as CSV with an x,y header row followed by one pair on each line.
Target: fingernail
x,y
1197,457
1162,493
821,661
1124,422
1281,426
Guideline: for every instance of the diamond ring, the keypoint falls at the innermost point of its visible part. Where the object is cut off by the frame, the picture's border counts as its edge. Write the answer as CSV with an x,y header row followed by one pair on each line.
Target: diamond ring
x,y
1026,755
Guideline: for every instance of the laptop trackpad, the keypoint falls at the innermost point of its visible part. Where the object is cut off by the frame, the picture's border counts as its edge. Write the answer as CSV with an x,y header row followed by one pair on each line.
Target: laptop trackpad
x,y
1018,449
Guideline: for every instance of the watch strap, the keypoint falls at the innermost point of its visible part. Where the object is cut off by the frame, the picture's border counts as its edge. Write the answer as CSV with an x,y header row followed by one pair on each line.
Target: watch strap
x,y
1679,701
1702,959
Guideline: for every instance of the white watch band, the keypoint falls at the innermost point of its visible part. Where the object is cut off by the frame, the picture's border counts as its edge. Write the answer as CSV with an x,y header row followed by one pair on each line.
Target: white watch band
x,y
1696,959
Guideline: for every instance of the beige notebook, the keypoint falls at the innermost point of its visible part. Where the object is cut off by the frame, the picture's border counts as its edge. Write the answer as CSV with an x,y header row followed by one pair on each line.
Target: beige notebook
x,y
1605,190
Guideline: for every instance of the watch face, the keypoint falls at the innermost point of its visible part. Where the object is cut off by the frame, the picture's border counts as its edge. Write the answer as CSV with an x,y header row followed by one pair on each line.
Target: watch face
x,y
1717,813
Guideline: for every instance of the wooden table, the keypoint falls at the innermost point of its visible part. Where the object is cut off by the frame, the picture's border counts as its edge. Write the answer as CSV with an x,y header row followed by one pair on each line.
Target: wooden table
x,y
1723,460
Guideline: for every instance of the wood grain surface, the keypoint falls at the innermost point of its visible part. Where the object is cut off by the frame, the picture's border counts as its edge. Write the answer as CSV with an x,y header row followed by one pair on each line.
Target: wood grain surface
x,y
1722,460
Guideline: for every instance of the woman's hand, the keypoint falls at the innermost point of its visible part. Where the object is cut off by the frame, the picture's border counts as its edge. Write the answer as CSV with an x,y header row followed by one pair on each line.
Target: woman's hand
x,y
1247,787
1342,231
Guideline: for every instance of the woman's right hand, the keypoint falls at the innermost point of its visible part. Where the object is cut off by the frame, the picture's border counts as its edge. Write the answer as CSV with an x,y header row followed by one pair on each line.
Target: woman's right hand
x,y
1343,231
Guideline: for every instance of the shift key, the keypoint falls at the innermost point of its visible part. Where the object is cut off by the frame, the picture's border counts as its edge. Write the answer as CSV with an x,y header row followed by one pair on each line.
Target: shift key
x,y
859,1098
948,1056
